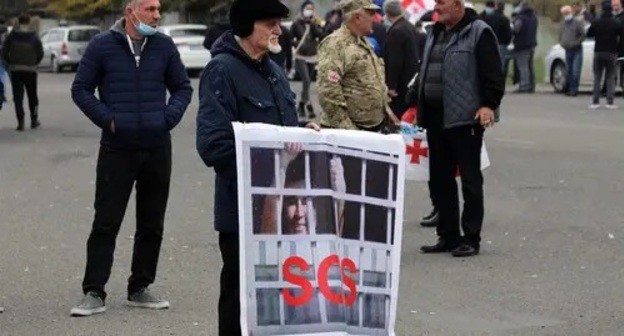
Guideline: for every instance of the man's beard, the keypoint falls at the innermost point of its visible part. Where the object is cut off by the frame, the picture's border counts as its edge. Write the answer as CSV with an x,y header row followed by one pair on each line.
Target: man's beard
x,y
274,46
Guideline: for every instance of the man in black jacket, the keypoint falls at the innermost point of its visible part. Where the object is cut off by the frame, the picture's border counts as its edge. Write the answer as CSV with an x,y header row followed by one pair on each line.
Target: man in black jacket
x,y
608,34
525,40
22,52
240,84
400,55
500,25
461,60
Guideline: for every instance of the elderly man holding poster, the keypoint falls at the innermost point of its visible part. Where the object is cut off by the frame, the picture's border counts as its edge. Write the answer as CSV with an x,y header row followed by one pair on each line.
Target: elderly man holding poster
x,y
242,84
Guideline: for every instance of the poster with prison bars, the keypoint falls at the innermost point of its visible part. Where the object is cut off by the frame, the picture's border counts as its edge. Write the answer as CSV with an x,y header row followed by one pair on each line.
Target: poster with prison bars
x,y
321,218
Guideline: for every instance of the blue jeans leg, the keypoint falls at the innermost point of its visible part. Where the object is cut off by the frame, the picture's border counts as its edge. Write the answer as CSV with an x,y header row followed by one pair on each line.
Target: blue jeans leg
x,y
574,63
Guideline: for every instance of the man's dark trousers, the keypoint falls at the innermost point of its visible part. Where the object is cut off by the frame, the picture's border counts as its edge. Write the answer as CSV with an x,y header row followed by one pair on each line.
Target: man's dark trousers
x,y
117,172
229,298
450,149
27,80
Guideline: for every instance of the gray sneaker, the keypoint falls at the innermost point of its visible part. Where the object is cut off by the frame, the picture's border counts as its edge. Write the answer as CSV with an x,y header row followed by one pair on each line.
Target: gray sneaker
x,y
144,299
91,304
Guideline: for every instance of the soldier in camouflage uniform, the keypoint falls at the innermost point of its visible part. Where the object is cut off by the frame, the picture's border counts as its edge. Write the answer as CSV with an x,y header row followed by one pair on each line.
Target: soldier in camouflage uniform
x,y
351,83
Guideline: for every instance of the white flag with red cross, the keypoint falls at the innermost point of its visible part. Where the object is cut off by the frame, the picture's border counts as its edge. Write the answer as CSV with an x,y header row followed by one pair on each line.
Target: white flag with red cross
x,y
416,8
417,150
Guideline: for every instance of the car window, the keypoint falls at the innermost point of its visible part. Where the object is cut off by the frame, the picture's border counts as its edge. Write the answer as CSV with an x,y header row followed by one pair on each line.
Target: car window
x,y
187,32
82,35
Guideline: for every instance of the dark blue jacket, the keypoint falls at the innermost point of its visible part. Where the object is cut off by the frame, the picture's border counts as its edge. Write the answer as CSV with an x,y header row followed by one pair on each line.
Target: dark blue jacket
x,y
135,97
234,87
525,31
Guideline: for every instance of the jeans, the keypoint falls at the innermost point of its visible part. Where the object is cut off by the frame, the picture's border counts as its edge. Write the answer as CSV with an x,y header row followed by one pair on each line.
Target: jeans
x,y
303,69
604,62
117,172
449,149
21,80
229,297
3,79
574,62
524,60
504,52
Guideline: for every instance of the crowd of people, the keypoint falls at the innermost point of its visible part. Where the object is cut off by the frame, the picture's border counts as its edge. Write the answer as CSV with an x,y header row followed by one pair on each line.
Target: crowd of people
x,y
367,61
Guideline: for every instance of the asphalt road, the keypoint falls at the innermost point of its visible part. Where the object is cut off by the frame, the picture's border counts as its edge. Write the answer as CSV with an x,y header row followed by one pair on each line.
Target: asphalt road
x,y
551,261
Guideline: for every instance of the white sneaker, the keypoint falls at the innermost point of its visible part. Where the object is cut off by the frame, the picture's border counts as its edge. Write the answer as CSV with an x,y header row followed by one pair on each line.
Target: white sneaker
x,y
594,106
611,107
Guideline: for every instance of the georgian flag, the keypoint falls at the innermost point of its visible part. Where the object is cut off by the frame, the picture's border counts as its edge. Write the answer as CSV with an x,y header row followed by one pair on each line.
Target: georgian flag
x,y
417,149
416,8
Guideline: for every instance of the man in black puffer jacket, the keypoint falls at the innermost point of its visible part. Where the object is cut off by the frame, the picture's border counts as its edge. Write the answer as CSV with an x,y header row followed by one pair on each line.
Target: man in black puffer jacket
x,y
22,52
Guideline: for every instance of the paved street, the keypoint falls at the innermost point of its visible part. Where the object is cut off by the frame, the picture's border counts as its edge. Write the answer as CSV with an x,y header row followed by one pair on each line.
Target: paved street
x,y
551,260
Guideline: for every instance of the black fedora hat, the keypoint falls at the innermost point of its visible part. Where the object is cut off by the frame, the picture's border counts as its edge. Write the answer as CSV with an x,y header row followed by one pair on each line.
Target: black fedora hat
x,y
244,13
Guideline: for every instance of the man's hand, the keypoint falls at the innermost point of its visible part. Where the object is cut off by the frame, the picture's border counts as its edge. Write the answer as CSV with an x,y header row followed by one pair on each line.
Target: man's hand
x,y
112,126
392,117
392,94
314,126
485,115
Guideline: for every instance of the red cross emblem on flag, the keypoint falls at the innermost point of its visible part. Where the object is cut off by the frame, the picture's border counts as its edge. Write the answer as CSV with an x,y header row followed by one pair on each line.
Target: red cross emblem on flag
x,y
416,151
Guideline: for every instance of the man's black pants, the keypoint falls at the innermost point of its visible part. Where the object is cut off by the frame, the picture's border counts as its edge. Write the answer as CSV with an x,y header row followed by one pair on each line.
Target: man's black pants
x,y
117,173
27,80
229,299
448,150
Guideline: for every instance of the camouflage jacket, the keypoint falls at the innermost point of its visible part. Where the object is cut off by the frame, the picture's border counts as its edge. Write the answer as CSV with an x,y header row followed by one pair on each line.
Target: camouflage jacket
x,y
351,83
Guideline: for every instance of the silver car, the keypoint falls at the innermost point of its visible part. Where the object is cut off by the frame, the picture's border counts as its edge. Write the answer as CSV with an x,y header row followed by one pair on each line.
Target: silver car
x,y
63,46
556,70
189,39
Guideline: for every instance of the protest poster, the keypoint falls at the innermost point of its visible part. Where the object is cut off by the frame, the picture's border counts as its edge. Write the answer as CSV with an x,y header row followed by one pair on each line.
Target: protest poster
x,y
320,231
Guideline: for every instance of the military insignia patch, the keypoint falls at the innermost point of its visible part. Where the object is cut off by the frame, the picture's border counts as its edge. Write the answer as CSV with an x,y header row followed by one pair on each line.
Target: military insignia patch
x,y
333,77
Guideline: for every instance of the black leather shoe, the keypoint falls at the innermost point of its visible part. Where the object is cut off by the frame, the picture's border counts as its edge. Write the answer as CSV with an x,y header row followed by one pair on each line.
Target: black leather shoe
x,y
441,247
310,109
301,110
465,250
431,220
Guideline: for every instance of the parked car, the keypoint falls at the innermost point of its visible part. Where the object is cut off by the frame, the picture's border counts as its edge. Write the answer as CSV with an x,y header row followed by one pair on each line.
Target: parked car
x,y
189,39
63,46
556,71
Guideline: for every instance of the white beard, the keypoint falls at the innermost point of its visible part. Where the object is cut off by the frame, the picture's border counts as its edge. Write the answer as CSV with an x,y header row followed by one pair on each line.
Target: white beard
x,y
274,47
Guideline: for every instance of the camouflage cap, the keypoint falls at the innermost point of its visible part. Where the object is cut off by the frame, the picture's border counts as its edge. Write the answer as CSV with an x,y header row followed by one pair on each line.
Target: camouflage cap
x,y
349,6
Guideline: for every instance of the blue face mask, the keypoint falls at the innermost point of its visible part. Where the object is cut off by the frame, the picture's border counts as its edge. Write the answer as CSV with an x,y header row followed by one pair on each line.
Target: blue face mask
x,y
143,29
489,10
387,22
518,9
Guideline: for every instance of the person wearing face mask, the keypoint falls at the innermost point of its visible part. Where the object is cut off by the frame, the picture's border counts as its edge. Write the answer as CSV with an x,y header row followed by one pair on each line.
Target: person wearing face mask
x,y
240,84
500,25
571,39
307,33
133,67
